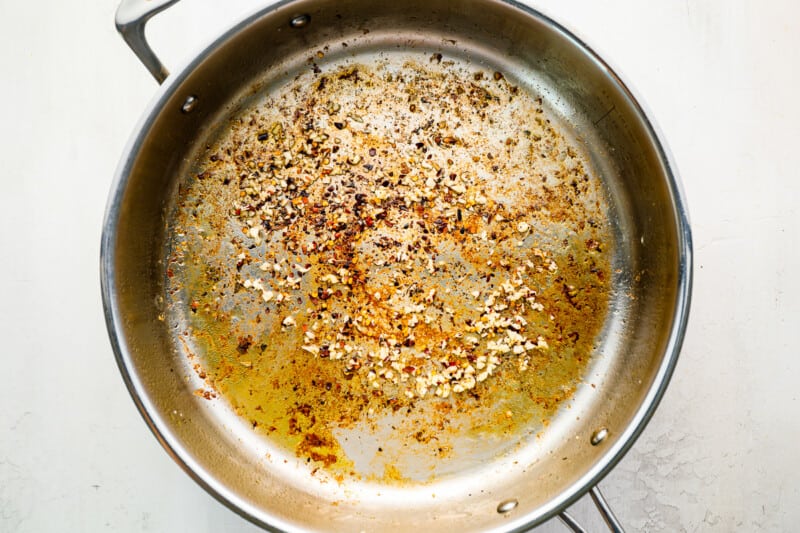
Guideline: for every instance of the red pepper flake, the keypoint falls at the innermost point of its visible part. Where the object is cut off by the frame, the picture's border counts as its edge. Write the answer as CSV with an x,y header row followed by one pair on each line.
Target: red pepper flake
x,y
244,344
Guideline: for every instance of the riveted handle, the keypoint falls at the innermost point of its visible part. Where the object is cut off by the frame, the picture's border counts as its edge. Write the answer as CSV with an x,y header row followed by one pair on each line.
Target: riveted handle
x,y
131,18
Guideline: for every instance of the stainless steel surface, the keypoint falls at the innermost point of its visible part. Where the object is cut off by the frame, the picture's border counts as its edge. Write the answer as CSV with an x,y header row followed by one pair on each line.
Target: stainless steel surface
x,y
131,19
570,522
605,510
644,331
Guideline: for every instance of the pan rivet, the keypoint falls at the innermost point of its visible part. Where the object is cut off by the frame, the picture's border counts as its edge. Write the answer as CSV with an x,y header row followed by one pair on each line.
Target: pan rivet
x,y
300,21
189,104
507,506
599,436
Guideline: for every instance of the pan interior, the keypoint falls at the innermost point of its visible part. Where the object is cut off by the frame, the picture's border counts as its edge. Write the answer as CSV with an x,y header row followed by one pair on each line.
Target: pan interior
x,y
297,438
393,266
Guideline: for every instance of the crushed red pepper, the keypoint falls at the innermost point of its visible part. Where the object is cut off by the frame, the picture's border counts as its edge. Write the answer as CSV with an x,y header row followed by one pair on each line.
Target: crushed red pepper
x,y
387,236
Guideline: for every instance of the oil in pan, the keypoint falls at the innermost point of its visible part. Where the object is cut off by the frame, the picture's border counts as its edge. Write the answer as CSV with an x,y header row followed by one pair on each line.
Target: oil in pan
x,y
391,269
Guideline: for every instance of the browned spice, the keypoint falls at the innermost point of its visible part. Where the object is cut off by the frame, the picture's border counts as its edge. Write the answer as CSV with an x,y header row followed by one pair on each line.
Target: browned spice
x,y
391,238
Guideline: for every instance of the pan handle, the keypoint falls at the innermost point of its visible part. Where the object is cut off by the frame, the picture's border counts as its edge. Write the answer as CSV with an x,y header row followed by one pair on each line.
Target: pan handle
x,y
602,507
131,18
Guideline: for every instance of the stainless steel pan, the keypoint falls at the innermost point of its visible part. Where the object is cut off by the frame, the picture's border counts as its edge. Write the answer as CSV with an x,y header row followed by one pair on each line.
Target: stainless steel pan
x,y
509,479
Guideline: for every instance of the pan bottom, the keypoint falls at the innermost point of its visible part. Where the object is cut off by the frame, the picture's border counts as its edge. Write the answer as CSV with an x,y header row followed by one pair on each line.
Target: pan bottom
x,y
369,221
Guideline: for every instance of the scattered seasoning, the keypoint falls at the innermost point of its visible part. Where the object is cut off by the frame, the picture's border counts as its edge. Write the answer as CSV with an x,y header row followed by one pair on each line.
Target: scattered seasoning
x,y
306,185
420,273
244,344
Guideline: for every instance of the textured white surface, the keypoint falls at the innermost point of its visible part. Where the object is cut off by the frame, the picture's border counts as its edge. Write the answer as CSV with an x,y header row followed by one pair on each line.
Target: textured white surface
x,y
720,76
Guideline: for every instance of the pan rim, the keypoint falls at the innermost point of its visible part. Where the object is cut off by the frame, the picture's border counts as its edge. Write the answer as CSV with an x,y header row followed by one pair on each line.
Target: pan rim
x,y
232,500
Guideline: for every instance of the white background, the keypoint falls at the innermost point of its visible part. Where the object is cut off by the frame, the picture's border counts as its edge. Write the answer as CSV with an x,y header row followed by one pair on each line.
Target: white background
x,y
720,76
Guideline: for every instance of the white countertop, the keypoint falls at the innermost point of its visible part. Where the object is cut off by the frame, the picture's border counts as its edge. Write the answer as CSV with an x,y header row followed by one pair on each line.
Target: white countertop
x,y
720,76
